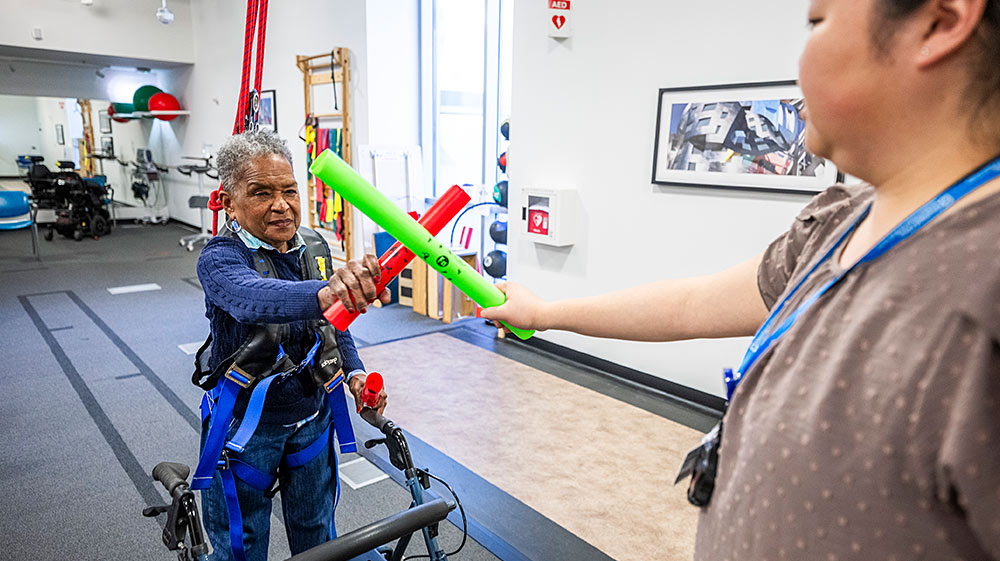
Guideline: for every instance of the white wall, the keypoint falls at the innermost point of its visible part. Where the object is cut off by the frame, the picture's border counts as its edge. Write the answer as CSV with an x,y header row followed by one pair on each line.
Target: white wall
x,y
127,137
19,131
52,111
209,88
393,77
210,34
64,79
119,28
583,114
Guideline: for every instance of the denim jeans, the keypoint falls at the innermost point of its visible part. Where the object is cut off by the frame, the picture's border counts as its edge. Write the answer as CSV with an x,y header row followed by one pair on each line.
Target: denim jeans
x,y
308,493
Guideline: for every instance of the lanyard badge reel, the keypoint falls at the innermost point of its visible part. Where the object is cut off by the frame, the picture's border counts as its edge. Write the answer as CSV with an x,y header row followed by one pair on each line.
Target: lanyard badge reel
x,y
702,462
700,465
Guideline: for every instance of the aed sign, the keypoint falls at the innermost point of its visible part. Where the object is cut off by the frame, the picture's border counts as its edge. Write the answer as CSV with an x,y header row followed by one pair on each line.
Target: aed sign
x,y
559,21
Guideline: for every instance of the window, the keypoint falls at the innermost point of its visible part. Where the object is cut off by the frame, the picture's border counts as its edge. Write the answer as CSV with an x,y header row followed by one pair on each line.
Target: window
x,y
465,89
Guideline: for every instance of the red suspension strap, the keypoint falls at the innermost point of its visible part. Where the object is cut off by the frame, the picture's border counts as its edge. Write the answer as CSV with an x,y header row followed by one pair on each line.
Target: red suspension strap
x,y
248,102
248,38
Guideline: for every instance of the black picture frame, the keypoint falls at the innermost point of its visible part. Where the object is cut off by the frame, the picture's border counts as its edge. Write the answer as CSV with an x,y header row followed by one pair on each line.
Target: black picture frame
x,y
108,145
268,114
104,121
756,143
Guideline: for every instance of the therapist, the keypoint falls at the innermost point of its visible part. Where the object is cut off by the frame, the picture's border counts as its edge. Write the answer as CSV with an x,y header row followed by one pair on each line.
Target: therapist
x,y
864,421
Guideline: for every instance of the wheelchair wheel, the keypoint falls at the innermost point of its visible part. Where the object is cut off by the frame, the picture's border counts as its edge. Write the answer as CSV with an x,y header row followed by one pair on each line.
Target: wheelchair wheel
x,y
99,225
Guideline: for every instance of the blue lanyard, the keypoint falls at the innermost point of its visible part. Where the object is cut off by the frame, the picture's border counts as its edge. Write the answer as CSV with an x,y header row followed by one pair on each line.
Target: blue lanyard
x,y
766,336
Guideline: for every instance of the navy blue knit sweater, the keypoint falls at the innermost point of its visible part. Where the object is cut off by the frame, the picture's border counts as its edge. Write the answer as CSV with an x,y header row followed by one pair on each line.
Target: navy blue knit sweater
x,y
236,297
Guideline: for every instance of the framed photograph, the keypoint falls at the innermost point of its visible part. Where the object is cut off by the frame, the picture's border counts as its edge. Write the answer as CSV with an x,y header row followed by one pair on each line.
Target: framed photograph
x,y
105,121
107,146
737,136
268,116
60,137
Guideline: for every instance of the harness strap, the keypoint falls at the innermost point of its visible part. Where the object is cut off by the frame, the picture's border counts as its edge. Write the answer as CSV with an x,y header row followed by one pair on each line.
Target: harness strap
x,y
251,475
206,407
311,355
306,455
251,418
235,516
336,399
234,380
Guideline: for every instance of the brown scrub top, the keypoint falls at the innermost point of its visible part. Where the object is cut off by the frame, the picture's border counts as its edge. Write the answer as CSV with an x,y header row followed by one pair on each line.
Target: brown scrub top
x,y
872,429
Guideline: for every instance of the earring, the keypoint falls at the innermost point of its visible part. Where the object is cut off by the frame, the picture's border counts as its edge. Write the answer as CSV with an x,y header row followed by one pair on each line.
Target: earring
x,y
925,51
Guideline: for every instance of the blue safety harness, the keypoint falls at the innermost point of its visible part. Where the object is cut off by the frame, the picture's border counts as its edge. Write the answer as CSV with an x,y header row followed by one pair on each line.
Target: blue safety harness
x,y
258,363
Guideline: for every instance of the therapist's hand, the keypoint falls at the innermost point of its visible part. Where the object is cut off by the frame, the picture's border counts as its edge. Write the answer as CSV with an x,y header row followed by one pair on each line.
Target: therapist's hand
x,y
522,309
354,285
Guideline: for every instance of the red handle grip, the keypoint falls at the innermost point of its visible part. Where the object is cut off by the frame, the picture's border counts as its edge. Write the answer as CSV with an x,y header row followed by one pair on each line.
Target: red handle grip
x,y
373,389
398,257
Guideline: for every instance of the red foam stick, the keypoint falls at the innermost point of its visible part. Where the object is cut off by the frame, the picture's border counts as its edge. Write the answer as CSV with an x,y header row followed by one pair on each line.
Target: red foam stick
x,y
373,390
398,257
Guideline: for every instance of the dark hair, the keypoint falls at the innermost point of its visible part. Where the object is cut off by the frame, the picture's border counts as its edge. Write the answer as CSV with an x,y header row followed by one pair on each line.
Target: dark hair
x,y
984,78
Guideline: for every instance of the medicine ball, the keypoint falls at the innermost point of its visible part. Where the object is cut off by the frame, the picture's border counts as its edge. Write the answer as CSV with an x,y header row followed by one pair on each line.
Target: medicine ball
x,y
498,232
505,129
502,162
495,263
500,193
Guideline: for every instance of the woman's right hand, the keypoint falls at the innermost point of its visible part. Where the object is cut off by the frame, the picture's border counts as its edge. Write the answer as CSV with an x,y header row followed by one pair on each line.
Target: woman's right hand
x,y
522,309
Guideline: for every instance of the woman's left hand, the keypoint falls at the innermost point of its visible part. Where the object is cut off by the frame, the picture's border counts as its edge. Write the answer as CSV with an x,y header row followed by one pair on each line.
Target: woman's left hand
x,y
357,385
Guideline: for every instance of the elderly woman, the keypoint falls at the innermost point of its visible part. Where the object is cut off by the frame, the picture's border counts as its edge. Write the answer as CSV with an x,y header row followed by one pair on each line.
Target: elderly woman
x,y
864,421
272,363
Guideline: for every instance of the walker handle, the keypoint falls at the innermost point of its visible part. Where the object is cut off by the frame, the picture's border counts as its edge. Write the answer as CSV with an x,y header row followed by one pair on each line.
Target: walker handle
x,y
171,475
385,426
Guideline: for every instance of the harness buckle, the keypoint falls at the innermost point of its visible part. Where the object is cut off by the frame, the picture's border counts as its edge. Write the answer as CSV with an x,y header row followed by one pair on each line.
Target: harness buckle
x,y
239,376
332,383
224,459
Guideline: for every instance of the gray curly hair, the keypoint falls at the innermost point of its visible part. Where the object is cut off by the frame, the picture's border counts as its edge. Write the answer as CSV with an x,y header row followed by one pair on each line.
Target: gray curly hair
x,y
236,153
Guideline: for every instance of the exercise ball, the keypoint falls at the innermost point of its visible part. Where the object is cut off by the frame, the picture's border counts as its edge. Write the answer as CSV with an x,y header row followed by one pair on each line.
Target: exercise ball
x,y
502,162
498,232
495,263
123,107
116,108
140,99
164,102
505,129
500,193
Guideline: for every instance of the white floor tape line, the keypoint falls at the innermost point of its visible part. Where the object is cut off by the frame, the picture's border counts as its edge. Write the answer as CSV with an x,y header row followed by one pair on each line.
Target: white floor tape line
x,y
190,348
134,288
360,473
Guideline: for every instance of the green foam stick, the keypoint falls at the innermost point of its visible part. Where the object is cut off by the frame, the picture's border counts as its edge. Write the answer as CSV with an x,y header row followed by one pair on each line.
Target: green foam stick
x,y
344,180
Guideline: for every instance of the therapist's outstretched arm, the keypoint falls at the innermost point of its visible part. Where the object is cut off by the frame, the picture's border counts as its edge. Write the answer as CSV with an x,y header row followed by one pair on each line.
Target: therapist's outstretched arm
x,y
724,304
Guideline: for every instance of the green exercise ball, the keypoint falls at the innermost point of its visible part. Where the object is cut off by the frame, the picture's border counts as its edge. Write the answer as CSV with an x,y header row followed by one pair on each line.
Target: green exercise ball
x,y
123,107
140,99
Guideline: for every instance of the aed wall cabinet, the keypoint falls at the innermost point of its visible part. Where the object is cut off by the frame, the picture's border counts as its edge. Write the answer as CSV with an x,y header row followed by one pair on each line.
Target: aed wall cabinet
x,y
550,215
